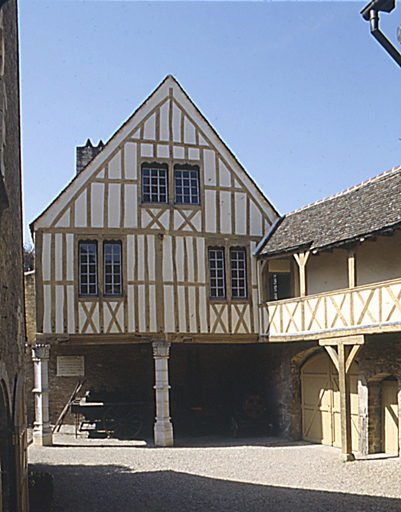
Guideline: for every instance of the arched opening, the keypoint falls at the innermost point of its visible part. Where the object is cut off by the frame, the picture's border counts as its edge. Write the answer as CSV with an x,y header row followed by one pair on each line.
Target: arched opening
x,y
320,402
383,414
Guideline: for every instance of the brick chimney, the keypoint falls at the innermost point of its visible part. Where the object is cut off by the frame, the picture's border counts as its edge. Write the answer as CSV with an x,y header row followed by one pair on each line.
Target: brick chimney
x,y
86,153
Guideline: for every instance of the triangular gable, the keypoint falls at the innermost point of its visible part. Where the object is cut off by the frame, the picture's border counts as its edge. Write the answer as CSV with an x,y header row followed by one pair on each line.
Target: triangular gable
x,y
166,122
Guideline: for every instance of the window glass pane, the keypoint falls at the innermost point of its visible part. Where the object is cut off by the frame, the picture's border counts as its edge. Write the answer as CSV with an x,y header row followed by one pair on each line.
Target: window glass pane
x,y
87,268
186,186
154,185
216,270
112,269
238,273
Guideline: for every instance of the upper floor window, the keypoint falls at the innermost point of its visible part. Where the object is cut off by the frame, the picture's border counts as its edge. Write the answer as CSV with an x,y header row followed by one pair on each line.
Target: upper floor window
x,y
154,184
88,268
112,268
186,183
279,279
238,273
217,273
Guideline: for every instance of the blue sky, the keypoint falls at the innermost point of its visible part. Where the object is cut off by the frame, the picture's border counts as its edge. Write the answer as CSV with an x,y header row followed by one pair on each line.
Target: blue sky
x,y
300,91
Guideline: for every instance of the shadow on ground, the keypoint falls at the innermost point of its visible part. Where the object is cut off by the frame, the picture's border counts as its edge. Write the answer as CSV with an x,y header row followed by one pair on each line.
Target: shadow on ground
x,y
115,488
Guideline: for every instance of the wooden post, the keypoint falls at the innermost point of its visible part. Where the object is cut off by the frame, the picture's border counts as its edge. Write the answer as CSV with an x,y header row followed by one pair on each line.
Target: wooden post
x,y
343,363
301,259
351,268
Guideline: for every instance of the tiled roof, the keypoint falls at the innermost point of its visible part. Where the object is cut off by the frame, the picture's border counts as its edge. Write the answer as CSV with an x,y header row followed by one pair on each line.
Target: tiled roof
x,y
360,211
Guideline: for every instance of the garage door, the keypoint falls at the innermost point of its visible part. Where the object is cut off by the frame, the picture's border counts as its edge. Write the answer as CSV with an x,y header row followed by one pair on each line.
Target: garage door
x,y
321,418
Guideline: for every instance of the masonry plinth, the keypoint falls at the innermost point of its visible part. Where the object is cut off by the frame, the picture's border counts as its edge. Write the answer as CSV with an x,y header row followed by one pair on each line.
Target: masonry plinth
x,y
163,429
42,433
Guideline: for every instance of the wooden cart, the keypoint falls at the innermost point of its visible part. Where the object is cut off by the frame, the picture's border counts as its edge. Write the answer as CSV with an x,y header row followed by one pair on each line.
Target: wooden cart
x,y
106,414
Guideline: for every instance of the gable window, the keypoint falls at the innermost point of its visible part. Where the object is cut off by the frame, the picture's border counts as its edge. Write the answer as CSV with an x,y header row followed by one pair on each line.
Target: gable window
x,y
217,273
186,184
154,184
238,273
88,268
112,268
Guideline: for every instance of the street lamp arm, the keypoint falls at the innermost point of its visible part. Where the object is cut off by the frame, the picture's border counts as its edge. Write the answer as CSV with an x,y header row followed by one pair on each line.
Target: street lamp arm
x,y
381,38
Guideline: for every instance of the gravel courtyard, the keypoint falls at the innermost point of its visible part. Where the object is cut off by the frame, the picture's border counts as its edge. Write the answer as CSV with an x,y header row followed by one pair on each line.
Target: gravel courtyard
x,y
214,474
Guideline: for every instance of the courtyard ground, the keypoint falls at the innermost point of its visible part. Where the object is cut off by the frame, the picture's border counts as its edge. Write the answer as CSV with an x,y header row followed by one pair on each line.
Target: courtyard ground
x,y
214,474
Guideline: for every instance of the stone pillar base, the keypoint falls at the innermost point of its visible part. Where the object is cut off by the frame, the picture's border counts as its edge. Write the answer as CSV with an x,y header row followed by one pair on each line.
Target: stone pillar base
x,y
42,438
347,457
163,434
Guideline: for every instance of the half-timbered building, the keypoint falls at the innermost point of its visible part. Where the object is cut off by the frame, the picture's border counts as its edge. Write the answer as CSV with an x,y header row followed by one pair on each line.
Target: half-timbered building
x,y
331,311
150,247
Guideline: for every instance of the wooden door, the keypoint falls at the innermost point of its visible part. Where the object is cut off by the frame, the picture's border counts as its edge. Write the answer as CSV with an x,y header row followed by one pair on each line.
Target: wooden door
x,y
321,416
390,416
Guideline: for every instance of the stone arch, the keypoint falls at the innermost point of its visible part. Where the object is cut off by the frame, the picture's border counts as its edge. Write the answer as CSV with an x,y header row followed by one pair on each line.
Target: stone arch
x,y
296,363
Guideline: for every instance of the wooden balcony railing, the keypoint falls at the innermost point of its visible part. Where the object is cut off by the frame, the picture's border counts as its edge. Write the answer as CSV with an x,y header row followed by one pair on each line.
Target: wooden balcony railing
x,y
374,308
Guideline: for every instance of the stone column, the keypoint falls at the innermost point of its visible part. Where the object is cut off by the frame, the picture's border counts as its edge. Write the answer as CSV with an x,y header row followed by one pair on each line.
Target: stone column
x,y
42,433
163,429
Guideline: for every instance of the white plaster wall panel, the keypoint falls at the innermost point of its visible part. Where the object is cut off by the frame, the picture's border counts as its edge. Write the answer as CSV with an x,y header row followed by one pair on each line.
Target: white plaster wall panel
x,y
115,167
46,256
59,308
80,211
240,213
178,152
178,220
201,260
256,224
97,205
120,317
237,184
114,205
70,310
70,257
146,219
179,258
209,158
225,175
152,309
151,257
164,220
371,314
95,319
169,315
203,309
193,154
141,258
58,256
390,311
101,174
225,212
190,257
137,134
254,269
247,317
64,221
182,309
333,319
106,319
131,206
130,161
167,259
147,150
234,321
210,210
176,124
192,309
197,221
150,128
189,132
130,257
218,327
164,121
163,151
47,308
131,309
142,308
202,141
292,318
255,310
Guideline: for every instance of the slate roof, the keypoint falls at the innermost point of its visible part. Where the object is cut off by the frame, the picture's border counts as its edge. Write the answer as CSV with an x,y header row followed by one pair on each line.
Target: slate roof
x,y
358,212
